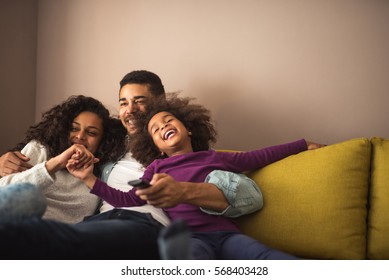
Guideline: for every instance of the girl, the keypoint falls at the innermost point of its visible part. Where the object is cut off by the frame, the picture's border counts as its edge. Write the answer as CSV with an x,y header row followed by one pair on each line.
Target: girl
x,y
174,140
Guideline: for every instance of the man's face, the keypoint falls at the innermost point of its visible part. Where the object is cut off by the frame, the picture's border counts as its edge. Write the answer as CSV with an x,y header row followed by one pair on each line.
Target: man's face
x,y
132,98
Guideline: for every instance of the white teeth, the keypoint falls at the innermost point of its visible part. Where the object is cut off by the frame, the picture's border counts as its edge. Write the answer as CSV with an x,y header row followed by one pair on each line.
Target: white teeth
x,y
168,134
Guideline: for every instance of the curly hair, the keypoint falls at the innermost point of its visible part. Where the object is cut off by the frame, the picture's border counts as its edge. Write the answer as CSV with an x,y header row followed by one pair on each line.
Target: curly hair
x,y
195,117
55,126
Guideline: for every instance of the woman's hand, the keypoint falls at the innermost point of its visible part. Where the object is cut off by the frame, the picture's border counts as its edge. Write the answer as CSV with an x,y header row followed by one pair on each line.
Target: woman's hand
x,y
81,156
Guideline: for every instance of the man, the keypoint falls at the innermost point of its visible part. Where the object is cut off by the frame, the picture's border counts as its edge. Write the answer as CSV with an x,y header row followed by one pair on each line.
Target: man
x,y
129,233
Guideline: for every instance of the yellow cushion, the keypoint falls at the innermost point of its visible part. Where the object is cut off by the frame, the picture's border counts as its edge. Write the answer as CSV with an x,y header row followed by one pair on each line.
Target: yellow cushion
x,y
315,202
378,225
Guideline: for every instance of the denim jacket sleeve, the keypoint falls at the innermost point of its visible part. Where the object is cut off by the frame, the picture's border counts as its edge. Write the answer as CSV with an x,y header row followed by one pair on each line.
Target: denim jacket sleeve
x,y
107,168
241,192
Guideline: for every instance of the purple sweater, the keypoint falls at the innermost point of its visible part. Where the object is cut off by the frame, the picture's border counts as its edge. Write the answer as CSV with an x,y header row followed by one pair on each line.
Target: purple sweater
x,y
194,167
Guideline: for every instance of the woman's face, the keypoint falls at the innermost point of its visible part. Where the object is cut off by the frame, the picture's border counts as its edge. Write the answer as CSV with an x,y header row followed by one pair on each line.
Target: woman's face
x,y
87,129
169,134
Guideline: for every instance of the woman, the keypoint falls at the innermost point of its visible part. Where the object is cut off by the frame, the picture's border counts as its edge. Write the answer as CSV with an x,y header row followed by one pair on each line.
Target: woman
x,y
81,128
179,135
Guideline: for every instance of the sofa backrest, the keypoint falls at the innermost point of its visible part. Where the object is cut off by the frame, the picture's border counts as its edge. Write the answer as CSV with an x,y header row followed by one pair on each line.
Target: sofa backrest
x,y
315,202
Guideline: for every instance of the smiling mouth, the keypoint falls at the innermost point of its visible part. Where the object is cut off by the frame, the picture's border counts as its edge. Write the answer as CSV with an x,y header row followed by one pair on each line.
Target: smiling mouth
x,y
168,134
129,123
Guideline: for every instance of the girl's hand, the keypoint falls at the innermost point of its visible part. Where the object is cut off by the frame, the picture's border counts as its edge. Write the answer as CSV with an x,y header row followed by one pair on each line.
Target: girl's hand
x,y
313,146
84,173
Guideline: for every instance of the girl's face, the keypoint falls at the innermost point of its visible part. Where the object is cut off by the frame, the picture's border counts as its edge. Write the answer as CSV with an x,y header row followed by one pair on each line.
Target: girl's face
x,y
169,134
87,130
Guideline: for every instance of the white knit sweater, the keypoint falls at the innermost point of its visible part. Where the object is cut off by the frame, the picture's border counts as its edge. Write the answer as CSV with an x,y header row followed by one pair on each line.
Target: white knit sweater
x,y
68,199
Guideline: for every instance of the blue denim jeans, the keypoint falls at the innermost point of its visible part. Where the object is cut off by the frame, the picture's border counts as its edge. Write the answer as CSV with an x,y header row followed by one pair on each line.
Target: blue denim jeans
x,y
229,245
19,201
115,234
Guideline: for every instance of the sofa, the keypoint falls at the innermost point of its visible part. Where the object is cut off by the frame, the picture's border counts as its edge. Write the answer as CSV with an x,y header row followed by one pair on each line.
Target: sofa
x,y
329,203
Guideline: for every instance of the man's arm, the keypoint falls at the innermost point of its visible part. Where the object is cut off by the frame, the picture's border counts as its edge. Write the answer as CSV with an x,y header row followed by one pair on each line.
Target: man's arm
x,y
215,197
13,162
166,192
242,193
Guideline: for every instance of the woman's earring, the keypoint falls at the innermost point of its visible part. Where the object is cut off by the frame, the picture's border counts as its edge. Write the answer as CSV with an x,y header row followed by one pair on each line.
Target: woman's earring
x,y
190,133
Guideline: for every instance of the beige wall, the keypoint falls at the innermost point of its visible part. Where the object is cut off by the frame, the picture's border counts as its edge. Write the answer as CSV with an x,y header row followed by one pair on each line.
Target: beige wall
x,y
18,41
270,71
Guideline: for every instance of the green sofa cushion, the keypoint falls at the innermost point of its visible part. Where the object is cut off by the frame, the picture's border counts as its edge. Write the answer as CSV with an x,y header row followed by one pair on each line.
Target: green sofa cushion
x,y
378,225
315,202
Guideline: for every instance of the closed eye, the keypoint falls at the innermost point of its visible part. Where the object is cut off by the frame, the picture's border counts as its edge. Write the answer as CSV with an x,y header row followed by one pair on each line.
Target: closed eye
x,y
140,101
93,133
